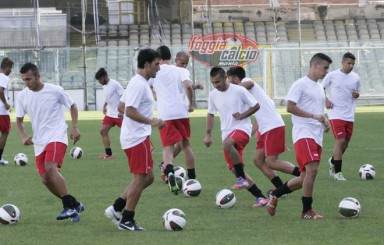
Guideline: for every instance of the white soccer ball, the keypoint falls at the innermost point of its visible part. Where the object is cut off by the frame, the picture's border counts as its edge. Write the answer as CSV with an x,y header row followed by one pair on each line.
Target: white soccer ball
x,y
21,159
9,214
225,199
174,220
76,152
367,172
192,188
349,207
180,172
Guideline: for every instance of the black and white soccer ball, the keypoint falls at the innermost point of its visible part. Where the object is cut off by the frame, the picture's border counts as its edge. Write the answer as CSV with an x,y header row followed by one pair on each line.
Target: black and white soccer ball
x,y
225,199
21,159
367,172
349,207
192,188
76,152
180,172
9,214
174,220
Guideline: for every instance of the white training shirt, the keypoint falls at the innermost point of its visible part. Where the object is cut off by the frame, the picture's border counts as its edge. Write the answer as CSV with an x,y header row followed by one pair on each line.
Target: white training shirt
x,y
138,94
45,109
339,87
308,96
267,116
170,92
234,99
112,91
4,81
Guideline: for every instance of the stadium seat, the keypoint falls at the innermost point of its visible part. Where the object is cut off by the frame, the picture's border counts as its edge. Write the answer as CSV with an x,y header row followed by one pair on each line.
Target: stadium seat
x,y
122,43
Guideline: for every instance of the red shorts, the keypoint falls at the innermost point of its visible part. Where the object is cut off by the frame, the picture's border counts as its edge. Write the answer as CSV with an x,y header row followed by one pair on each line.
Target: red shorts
x,y
341,129
53,152
272,141
112,121
139,157
5,123
175,131
241,138
306,151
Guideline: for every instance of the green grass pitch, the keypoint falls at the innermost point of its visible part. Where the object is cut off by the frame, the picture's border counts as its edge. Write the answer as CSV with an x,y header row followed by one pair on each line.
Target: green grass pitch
x,y
98,182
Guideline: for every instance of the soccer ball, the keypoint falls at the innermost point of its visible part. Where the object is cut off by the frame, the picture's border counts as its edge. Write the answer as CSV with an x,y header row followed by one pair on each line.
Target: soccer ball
x,y
21,159
225,199
349,207
192,188
174,220
180,172
9,214
367,171
76,152
180,182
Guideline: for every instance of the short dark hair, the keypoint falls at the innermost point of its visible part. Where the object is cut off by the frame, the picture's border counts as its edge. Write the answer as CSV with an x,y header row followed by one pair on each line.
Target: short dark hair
x,y
6,62
29,66
317,58
146,55
236,71
182,54
217,71
101,73
349,55
165,53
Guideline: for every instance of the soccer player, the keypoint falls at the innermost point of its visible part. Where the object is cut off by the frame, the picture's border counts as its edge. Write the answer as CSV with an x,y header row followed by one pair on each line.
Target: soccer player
x,y
138,103
43,103
5,121
344,86
306,101
112,91
270,129
182,60
172,85
235,105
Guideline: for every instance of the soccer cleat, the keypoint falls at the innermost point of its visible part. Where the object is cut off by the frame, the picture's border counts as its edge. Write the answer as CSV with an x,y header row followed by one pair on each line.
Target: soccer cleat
x,y
163,176
78,209
331,168
115,216
272,203
106,157
339,177
241,183
172,184
260,202
3,162
75,218
67,213
130,226
311,215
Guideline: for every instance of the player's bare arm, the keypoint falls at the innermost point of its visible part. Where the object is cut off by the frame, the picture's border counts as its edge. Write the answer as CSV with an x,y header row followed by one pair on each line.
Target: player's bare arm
x,y
120,108
247,113
209,126
105,108
189,92
2,98
248,84
198,86
355,94
75,133
293,109
27,140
